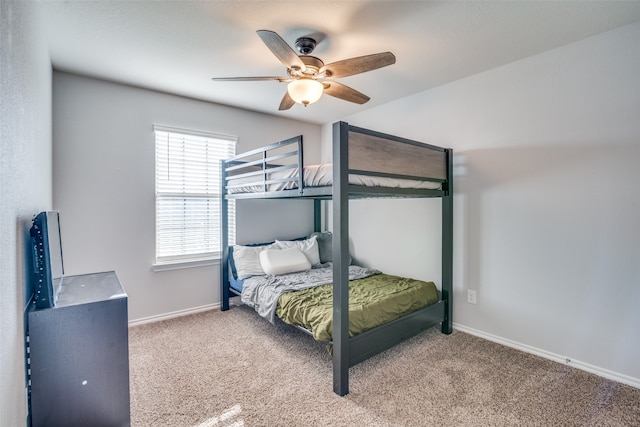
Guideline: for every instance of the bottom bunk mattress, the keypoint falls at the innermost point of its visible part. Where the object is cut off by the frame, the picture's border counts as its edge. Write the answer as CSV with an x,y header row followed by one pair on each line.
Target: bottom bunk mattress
x,y
374,299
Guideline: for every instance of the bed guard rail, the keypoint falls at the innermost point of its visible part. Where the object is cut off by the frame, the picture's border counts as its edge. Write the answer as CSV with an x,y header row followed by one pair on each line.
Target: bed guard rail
x,y
278,165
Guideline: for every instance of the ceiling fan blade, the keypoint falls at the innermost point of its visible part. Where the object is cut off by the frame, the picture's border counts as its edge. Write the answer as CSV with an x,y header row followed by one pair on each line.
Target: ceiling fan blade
x,y
360,64
281,49
344,92
250,79
287,102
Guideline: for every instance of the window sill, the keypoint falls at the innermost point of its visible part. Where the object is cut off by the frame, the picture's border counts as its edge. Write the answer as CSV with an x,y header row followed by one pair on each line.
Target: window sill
x,y
176,265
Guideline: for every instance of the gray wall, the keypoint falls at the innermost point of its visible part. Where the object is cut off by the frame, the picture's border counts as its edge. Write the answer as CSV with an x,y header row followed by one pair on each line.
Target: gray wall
x,y
547,203
25,184
103,185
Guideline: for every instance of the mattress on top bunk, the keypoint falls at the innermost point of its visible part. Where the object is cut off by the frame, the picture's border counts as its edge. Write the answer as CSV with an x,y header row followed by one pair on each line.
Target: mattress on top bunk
x,y
322,176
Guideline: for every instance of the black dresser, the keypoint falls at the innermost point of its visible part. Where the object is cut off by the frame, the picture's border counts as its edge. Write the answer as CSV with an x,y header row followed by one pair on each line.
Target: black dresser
x,y
79,355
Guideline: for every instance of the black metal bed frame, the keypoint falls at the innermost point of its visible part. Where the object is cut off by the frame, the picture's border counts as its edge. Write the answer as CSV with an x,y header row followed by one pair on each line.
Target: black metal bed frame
x,y
347,351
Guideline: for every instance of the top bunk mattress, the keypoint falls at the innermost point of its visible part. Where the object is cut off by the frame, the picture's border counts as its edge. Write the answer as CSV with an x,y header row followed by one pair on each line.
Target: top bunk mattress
x,y
320,176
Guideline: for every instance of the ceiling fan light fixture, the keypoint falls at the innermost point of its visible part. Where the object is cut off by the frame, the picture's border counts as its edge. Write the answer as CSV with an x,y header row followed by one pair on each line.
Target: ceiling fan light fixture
x,y
304,71
305,91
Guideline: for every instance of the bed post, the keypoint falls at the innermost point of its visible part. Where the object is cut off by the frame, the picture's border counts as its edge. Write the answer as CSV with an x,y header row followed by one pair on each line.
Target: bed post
x,y
447,247
224,241
340,258
300,146
317,215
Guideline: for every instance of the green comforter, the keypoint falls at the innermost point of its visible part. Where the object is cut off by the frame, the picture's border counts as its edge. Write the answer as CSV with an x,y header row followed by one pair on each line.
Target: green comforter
x,y
373,301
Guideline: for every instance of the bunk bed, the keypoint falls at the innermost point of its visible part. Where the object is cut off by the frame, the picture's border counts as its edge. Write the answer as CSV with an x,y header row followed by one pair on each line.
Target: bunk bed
x,y
366,164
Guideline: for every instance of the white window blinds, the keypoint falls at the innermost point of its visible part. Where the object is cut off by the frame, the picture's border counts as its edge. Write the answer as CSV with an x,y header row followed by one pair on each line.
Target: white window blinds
x,y
188,194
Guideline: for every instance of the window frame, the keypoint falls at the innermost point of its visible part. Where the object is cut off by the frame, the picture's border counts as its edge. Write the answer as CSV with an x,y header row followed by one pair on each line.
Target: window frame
x,y
211,193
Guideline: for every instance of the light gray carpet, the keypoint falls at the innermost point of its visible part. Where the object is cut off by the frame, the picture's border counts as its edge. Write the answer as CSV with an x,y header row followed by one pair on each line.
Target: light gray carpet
x,y
233,369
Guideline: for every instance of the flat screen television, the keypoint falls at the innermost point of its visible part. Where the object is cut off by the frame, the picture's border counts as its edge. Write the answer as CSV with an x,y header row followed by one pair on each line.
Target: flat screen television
x,y
48,267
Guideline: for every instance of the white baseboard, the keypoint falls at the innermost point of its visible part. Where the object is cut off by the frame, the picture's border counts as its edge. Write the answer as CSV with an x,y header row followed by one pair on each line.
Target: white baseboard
x,y
173,314
605,373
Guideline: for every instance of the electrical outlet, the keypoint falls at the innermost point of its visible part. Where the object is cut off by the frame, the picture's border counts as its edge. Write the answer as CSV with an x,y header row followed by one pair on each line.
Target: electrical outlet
x,y
471,296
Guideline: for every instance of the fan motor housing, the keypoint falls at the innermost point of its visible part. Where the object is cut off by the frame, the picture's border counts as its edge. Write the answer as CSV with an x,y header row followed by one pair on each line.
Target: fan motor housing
x,y
312,61
305,45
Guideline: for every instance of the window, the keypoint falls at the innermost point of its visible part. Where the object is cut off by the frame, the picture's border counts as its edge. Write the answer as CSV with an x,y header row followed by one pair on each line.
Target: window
x,y
188,194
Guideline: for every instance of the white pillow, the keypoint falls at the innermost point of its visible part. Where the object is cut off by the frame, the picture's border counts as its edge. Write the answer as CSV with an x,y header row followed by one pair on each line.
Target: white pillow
x,y
283,261
246,260
309,247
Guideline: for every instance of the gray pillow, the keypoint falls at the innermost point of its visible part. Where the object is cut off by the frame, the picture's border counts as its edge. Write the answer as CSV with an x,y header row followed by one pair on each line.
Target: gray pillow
x,y
325,243
325,246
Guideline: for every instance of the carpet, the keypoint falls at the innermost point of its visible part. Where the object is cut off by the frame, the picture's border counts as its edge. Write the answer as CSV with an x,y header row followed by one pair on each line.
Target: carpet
x,y
235,369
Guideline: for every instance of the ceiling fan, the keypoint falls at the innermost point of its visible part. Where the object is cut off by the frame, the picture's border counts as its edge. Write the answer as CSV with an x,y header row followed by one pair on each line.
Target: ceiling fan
x,y
307,74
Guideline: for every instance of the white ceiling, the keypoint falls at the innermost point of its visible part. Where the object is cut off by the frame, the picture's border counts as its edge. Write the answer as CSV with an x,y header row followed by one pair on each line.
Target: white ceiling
x,y
177,46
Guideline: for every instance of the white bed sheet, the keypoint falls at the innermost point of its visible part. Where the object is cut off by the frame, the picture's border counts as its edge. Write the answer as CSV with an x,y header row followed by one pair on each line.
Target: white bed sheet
x,y
322,176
